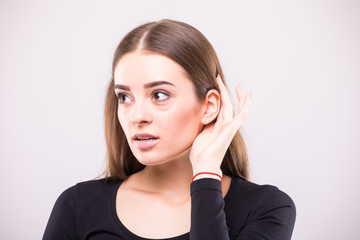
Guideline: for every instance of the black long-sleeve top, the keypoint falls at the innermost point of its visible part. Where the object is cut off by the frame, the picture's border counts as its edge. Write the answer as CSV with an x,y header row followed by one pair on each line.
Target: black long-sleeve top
x,y
248,211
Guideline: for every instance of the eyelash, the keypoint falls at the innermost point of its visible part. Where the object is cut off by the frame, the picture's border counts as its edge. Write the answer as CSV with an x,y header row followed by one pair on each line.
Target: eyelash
x,y
160,92
120,96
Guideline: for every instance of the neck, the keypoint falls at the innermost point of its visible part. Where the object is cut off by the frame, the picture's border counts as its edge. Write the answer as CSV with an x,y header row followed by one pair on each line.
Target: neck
x,y
171,178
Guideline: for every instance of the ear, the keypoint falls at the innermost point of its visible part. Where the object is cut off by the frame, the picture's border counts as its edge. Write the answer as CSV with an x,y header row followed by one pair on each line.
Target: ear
x,y
211,106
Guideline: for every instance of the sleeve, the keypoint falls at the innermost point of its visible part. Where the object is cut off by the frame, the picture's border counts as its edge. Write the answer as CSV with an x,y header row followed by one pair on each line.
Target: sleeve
x,y
61,224
272,217
208,220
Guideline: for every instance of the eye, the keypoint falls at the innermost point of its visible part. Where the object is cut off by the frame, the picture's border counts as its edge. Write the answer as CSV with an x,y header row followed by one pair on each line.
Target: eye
x,y
123,98
160,96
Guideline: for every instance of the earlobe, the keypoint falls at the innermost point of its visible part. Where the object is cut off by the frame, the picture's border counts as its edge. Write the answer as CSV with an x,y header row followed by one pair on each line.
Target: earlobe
x,y
212,106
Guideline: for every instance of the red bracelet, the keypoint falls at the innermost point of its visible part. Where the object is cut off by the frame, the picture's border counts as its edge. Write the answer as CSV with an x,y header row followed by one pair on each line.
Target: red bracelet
x,y
206,173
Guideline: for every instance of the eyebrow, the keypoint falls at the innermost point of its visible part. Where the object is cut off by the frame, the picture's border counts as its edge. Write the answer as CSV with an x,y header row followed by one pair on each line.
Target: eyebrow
x,y
147,85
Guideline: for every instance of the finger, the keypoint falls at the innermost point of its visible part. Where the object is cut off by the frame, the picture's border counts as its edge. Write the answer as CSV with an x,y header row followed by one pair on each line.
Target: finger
x,y
226,110
241,96
229,132
243,111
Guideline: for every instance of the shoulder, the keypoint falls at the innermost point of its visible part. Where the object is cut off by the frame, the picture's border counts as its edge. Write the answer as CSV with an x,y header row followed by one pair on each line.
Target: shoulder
x,y
264,208
98,185
87,190
255,194
96,195
71,215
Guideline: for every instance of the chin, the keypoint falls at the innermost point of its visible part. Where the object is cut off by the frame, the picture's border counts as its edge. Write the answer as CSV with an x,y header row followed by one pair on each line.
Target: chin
x,y
148,158
152,159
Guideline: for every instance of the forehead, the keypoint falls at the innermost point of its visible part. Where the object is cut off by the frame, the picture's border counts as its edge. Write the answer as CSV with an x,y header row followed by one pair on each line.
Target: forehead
x,y
146,67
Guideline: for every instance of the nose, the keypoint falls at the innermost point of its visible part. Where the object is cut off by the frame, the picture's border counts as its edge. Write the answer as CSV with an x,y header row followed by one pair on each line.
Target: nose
x,y
140,113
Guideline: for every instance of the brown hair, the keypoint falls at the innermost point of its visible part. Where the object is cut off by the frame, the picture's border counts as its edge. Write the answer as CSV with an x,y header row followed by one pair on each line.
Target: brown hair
x,y
189,48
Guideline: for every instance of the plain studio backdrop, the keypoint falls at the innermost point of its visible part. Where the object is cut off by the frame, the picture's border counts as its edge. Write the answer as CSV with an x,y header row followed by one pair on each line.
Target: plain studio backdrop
x,y
300,59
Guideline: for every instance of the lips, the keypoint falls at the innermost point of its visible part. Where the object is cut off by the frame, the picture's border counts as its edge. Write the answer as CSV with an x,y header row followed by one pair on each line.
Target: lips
x,y
145,140
143,136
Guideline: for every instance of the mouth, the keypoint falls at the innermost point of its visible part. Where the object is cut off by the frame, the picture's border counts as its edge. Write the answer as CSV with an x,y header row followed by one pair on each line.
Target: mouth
x,y
145,140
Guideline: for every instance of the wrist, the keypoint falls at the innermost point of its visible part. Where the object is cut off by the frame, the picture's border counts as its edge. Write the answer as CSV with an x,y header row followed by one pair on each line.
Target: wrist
x,y
215,174
207,175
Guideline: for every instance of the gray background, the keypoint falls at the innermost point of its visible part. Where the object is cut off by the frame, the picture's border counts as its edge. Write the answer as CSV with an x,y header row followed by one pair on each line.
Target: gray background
x,y
300,59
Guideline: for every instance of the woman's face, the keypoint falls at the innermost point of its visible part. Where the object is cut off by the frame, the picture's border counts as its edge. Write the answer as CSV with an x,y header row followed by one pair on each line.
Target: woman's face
x,y
158,109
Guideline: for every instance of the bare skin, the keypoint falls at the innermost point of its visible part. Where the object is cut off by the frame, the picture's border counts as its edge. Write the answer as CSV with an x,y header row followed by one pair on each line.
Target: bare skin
x,y
155,202
162,202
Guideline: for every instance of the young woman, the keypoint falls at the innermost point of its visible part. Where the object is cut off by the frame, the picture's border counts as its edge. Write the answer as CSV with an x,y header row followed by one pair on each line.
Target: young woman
x,y
177,165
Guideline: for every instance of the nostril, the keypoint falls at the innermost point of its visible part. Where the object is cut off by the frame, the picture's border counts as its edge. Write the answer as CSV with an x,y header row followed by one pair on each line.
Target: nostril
x,y
141,122
140,113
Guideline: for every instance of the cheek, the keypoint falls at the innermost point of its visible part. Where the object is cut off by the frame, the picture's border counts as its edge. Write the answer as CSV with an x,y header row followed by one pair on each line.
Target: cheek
x,y
169,123
124,123
181,125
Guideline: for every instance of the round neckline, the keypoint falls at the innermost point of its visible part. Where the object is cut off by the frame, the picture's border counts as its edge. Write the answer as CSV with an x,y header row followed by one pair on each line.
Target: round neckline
x,y
132,235
129,233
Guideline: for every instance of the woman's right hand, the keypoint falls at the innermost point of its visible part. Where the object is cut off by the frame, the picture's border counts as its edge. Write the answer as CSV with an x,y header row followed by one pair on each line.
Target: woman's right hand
x,y
210,146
